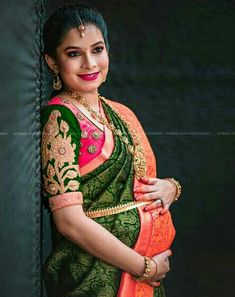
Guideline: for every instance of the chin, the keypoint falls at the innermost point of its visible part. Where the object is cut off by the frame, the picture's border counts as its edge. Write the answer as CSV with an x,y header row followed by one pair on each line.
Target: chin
x,y
88,87
85,90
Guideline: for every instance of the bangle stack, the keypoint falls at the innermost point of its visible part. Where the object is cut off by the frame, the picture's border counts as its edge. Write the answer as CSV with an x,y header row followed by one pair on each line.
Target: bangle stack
x,y
177,185
147,270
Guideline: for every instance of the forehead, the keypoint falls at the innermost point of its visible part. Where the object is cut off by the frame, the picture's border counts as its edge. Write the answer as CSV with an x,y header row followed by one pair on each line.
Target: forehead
x,y
72,37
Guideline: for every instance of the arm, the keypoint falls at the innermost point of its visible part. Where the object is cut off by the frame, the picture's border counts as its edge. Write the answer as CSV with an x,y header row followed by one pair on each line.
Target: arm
x,y
61,133
72,223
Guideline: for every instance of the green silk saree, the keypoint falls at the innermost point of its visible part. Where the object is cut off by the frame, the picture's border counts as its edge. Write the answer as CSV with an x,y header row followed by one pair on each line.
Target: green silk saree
x,y
69,271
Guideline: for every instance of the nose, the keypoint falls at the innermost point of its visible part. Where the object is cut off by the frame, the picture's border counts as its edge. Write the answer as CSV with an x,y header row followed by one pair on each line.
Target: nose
x,y
88,62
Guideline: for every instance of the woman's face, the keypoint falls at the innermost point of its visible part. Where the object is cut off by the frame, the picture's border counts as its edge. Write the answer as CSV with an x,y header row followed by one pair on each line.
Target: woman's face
x,y
82,62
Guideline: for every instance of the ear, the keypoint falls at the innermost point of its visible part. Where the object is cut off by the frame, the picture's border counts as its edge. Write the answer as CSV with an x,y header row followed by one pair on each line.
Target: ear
x,y
51,63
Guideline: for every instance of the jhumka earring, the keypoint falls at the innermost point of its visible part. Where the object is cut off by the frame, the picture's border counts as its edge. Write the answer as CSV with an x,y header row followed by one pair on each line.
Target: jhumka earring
x,y
57,85
81,28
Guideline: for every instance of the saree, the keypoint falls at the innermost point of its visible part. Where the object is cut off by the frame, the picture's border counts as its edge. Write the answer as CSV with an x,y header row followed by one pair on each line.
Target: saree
x,y
69,271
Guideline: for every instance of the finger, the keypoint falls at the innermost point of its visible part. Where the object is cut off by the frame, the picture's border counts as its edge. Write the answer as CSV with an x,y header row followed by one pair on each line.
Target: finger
x,y
148,180
162,276
167,264
155,284
153,205
162,257
147,197
167,253
145,189
165,208
167,267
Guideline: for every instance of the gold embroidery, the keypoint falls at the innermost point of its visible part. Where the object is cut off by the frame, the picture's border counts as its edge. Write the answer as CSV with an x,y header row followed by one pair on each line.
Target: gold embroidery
x,y
52,190
96,134
84,134
80,116
60,201
92,149
58,149
66,101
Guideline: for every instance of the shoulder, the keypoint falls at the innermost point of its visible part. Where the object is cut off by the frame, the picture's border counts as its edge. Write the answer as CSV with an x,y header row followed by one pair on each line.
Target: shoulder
x,y
123,109
128,115
59,104
55,102
56,110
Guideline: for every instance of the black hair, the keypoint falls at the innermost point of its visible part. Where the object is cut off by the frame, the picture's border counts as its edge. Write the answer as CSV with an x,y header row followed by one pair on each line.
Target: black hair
x,y
68,17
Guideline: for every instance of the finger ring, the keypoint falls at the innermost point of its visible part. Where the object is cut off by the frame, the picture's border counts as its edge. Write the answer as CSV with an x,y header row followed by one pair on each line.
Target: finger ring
x,y
160,199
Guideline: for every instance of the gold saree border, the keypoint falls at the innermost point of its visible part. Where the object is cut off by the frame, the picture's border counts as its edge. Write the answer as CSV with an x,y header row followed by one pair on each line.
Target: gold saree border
x,y
61,200
129,287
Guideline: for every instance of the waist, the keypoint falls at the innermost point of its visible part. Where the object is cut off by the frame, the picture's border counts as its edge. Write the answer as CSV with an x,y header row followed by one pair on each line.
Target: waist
x,y
108,211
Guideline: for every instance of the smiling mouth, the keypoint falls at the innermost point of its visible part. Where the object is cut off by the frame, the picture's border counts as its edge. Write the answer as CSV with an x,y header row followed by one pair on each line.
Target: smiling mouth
x,y
90,76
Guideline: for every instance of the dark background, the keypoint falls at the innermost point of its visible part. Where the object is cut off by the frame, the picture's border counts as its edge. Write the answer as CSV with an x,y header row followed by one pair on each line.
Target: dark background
x,y
173,63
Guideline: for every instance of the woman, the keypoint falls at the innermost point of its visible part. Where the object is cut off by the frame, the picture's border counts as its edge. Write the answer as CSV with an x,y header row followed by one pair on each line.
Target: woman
x,y
110,221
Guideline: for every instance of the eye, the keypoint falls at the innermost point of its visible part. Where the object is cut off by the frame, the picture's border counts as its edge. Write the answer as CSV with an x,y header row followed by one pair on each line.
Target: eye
x,y
74,54
98,49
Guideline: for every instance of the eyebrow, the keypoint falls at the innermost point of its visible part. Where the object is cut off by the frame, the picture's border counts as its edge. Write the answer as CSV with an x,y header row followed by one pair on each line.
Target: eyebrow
x,y
77,47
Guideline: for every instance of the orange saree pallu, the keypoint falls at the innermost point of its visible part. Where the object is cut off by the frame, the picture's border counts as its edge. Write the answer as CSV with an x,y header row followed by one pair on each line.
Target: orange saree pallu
x,y
156,232
156,236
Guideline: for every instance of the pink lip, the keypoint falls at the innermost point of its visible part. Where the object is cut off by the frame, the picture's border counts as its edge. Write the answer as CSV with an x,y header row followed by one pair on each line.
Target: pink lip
x,y
90,76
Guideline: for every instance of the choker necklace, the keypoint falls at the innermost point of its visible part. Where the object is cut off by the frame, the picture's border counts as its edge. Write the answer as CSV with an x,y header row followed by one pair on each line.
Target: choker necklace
x,y
140,166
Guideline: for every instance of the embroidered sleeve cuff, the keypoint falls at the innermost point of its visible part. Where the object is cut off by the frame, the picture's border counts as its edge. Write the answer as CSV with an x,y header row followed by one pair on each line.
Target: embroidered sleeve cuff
x,y
65,199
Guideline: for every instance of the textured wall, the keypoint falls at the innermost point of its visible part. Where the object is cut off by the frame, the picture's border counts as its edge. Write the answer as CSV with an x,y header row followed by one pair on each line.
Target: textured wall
x,y
20,201
173,63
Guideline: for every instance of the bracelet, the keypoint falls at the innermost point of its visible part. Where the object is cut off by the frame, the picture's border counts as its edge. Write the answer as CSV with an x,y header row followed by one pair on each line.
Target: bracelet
x,y
156,275
177,185
147,270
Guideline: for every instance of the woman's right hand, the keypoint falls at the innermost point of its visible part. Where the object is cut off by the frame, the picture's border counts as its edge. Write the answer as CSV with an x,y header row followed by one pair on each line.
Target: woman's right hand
x,y
163,266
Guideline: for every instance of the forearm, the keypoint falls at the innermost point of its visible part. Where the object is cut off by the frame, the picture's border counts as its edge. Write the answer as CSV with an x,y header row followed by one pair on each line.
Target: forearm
x,y
99,242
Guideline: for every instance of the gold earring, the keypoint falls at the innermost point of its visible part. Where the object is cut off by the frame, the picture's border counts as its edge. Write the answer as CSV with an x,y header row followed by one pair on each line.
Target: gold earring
x,y
57,85
104,80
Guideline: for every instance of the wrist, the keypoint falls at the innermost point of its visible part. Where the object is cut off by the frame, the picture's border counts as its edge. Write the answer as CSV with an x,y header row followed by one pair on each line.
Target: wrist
x,y
150,270
154,269
177,186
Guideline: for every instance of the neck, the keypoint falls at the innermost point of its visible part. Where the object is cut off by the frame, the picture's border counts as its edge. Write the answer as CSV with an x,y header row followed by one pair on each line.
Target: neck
x,y
90,97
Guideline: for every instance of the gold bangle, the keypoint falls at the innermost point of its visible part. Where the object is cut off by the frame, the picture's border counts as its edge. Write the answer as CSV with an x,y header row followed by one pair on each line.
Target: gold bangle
x,y
156,274
178,187
147,270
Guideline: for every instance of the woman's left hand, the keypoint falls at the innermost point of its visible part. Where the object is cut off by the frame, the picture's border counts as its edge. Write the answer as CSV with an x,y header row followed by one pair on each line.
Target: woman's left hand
x,y
161,191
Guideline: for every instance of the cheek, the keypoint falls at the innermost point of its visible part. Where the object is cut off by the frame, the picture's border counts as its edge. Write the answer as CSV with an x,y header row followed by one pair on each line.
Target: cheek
x,y
104,62
67,70
67,67
66,64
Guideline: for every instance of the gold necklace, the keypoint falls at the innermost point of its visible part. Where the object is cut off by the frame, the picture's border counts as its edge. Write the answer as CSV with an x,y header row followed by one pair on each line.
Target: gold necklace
x,y
136,150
